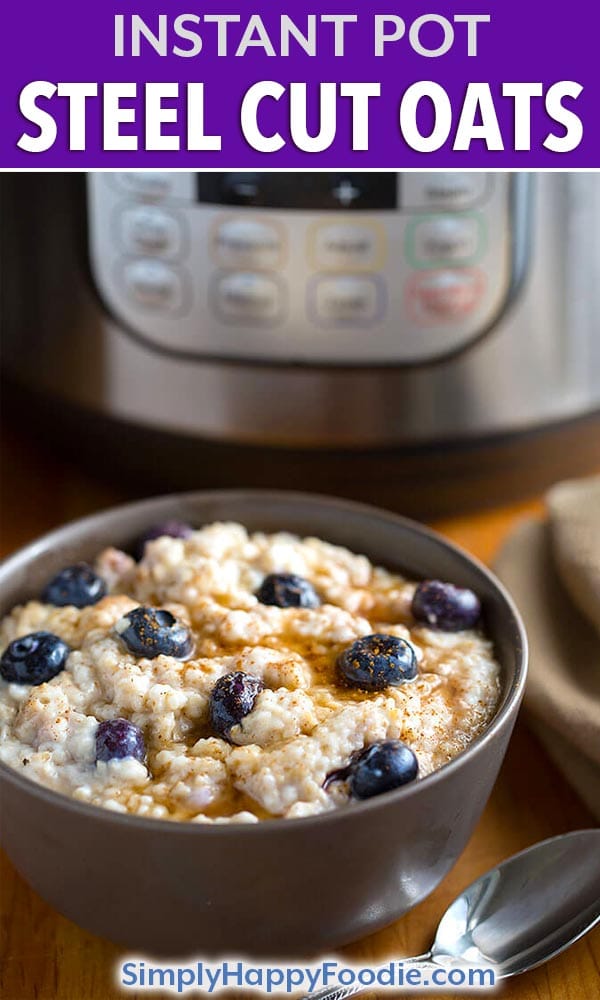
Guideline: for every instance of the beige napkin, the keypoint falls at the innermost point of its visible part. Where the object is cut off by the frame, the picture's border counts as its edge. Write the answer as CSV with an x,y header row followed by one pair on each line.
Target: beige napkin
x,y
552,569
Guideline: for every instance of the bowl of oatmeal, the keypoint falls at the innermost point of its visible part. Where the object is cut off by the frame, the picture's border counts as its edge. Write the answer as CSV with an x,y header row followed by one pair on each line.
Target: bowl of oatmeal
x,y
248,721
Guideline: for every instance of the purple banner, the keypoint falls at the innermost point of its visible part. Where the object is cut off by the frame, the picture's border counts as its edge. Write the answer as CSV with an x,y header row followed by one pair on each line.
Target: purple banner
x,y
493,85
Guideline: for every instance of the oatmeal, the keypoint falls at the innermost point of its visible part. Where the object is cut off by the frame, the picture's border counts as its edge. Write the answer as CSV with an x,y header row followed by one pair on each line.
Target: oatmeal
x,y
233,677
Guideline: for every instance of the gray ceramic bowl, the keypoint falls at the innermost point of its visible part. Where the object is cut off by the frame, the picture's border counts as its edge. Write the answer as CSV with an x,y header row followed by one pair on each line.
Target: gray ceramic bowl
x,y
280,887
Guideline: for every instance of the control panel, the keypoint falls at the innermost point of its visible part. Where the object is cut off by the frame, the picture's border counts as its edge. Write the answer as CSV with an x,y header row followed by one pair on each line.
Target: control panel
x,y
315,268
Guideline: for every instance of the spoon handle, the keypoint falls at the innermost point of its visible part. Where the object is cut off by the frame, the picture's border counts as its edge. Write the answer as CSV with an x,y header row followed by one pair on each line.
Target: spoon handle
x,y
341,992
336,993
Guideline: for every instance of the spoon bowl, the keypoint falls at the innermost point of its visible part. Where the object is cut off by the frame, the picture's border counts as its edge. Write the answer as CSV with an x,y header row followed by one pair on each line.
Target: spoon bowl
x,y
519,914
527,909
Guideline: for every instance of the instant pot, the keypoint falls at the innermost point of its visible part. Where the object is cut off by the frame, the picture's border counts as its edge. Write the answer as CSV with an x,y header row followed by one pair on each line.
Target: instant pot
x,y
423,340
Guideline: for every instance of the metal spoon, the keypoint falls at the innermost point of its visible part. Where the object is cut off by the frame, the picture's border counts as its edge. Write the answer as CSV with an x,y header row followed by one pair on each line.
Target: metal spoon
x,y
519,914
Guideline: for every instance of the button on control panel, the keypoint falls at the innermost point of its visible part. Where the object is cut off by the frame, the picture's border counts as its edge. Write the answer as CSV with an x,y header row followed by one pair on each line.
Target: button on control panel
x,y
238,241
317,268
246,296
153,185
445,296
453,191
149,229
153,284
347,246
452,239
344,300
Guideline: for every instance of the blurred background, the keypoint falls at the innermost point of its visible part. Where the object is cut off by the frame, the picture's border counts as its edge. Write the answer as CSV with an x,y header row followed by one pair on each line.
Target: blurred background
x,y
429,342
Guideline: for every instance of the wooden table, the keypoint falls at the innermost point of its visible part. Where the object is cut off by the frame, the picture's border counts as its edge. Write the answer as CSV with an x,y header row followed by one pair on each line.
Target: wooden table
x,y
46,957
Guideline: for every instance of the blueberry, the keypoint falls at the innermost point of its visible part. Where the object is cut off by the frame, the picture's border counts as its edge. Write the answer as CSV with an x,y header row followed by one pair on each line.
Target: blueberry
x,y
382,767
232,699
151,632
77,585
174,529
376,662
34,658
119,738
286,590
378,768
444,606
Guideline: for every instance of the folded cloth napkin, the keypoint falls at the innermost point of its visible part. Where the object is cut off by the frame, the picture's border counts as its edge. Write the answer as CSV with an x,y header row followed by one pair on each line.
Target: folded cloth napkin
x,y
552,569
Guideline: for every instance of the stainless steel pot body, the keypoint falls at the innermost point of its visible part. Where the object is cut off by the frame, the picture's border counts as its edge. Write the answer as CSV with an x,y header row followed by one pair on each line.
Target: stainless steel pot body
x,y
529,360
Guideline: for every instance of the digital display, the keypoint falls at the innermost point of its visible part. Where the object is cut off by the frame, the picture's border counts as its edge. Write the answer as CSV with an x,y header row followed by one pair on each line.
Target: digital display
x,y
348,191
